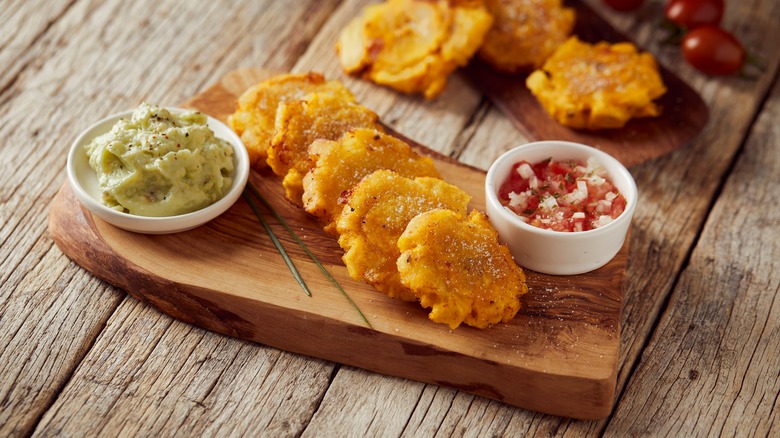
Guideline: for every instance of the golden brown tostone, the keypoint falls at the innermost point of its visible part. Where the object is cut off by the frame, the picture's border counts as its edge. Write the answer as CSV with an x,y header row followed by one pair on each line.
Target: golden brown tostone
x,y
597,86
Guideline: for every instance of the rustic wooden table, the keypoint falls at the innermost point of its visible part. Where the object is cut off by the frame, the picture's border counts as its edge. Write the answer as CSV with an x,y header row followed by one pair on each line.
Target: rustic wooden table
x,y
700,347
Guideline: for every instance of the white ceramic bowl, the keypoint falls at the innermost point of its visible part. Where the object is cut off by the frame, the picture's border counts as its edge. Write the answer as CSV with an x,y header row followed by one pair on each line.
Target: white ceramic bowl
x,y
555,252
85,183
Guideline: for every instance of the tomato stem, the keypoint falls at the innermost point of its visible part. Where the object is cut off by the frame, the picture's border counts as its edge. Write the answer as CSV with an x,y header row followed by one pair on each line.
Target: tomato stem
x,y
754,63
674,32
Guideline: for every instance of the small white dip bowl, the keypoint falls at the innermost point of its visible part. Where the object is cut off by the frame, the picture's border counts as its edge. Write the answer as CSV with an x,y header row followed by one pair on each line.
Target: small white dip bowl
x,y
556,252
84,182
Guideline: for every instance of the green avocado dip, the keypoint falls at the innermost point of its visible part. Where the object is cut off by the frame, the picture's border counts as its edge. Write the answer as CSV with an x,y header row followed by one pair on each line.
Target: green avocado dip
x,y
157,163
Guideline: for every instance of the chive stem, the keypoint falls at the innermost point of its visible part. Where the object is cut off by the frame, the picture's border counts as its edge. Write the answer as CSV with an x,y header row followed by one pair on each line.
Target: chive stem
x,y
278,245
314,258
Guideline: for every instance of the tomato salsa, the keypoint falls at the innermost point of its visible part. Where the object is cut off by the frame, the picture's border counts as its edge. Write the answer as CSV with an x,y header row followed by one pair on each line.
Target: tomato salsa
x,y
566,195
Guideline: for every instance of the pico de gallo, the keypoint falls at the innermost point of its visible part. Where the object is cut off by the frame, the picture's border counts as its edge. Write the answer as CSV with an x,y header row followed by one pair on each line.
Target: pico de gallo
x,y
566,195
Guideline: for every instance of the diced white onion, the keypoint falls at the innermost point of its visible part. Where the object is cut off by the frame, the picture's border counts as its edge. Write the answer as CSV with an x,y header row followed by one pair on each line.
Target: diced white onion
x,y
610,196
596,180
525,171
583,187
604,206
578,215
518,199
602,220
575,196
594,166
549,203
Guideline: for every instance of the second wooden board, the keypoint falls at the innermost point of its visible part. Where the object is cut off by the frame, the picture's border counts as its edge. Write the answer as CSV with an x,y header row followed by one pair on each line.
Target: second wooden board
x,y
684,113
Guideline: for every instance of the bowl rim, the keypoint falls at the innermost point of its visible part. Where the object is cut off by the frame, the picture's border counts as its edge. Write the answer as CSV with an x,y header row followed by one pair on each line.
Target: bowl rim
x,y
602,157
158,224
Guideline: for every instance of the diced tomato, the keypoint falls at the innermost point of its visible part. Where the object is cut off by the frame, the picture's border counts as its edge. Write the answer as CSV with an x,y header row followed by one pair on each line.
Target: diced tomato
x,y
565,195
561,167
540,168
516,185
532,206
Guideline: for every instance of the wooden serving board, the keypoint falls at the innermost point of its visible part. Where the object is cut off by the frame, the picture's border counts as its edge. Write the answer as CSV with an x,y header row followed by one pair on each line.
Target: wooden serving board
x,y
559,355
684,113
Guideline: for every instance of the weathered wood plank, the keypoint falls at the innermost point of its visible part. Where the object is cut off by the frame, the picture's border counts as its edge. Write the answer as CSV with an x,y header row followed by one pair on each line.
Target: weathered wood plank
x,y
491,135
666,219
150,375
345,399
24,24
76,53
98,58
53,313
678,190
50,310
712,365
675,192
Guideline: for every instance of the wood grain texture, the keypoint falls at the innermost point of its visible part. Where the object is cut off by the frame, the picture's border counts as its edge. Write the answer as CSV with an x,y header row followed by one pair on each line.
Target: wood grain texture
x,y
683,117
181,380
674,189
561,347
716,350
26,25
677,189
67,65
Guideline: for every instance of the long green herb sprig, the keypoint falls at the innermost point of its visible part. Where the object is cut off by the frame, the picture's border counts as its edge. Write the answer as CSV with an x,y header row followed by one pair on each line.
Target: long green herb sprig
x,y
251,188
278,244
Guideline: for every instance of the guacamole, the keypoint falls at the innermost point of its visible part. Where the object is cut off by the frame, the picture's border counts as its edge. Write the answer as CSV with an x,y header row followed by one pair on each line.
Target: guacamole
x,y
157,163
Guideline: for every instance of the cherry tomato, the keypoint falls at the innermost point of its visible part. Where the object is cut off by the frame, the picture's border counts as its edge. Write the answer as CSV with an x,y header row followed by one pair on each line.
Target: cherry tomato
x,y
713,51
624,5
694,13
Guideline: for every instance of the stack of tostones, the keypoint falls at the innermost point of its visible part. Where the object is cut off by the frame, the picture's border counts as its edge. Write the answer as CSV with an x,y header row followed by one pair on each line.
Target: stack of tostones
x,y
340,165
456,266
299,123
525,33
597,86
255,117
370,188
376,214
413,45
